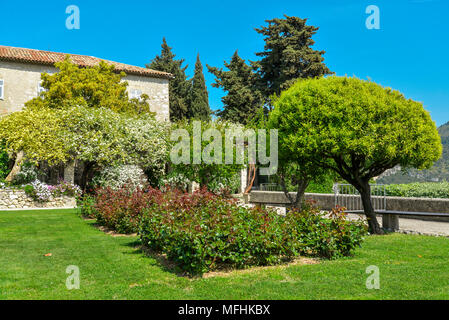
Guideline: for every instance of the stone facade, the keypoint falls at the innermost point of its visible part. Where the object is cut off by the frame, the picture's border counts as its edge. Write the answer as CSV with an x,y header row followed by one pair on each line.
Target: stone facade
x,y
156,89
21,84
11,199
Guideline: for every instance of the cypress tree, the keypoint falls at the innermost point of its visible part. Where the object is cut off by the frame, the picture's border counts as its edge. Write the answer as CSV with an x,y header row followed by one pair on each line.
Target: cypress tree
x,y
179,86
199,97
287,55
243,99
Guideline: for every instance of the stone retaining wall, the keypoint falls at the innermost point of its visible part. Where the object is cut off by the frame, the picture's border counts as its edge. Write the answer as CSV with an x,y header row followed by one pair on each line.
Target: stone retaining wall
x,y
11,199
327,202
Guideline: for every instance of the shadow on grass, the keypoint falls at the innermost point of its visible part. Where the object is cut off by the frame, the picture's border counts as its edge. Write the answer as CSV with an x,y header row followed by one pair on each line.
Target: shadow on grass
x,y
160,259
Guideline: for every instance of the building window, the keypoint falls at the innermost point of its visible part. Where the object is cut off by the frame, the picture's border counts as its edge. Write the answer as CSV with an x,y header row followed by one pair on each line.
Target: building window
x,y
40,89
135,94
2,89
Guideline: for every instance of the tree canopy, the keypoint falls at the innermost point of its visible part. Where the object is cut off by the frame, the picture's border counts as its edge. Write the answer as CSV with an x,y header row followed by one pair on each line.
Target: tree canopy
x,y
199,97
243,99
356,128
179,85
95,87
288,54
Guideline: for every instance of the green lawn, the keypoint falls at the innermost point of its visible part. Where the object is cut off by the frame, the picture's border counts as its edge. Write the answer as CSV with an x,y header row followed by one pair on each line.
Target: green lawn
x,y
411,267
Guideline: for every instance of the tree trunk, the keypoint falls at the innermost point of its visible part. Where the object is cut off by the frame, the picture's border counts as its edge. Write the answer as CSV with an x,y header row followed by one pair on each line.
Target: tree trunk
x,y
365,194
296,202
16,168
88,169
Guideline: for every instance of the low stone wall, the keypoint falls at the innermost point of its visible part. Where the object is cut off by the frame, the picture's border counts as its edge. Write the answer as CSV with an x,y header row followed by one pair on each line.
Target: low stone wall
x,y
327,202
11,199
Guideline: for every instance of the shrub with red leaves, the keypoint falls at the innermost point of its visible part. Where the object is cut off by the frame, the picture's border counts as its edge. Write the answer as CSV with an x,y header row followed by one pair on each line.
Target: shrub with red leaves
x,y
204,231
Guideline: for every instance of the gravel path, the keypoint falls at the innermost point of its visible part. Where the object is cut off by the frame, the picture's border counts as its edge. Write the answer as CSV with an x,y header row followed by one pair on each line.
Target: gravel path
x,y
434,228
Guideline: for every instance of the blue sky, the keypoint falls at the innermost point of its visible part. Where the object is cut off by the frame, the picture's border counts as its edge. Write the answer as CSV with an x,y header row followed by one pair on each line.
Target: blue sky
x,y
409,53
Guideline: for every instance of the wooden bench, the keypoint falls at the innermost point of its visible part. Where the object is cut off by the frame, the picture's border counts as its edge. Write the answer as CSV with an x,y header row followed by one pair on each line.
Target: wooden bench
x,y
390,218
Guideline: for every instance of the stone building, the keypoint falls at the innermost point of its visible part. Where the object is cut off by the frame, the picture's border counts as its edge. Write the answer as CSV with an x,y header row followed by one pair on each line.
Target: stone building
x,y
20,81
20,78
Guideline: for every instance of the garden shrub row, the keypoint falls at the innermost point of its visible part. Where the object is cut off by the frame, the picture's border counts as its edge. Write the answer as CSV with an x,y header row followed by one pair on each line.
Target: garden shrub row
x,y
202,231
419,190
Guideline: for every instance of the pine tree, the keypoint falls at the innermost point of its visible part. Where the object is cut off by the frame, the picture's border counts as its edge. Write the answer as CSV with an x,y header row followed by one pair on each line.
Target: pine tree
x,y
179,86
243,99
199,97
288,55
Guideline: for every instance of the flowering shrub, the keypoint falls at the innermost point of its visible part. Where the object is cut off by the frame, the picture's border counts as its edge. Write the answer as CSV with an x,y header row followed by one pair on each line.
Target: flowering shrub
x,y
42,192
66,189
117,177
38,191
27,174
203,231
174,180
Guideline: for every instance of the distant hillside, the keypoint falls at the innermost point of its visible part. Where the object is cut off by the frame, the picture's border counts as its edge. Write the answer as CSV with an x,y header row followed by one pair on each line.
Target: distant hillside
x,y
439,172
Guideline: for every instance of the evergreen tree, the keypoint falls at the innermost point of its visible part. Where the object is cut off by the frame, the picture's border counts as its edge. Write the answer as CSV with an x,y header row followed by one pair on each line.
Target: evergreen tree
x,y
288,55
199,97
179,85
243,99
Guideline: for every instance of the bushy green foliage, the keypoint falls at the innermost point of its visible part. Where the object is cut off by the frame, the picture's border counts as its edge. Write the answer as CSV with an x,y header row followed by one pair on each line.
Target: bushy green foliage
x,y
203,231
419,189
288,55
355,128
438,172
27,174
319,234
86,205
4,162
131,176
336,117
96,135
209,175
243,98
198,96
94,87
322,185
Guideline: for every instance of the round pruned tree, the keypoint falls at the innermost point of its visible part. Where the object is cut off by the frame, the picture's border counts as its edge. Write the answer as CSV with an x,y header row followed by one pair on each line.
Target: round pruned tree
x,y
356,128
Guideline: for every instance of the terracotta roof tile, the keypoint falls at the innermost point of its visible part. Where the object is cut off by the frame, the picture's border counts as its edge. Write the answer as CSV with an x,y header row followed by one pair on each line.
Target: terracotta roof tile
x,y
50,58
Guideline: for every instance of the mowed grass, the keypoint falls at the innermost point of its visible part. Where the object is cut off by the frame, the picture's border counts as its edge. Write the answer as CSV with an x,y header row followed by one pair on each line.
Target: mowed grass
x,y
411,267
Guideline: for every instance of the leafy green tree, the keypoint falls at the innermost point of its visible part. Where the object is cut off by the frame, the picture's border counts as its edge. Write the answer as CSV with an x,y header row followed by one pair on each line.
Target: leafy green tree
x,y
95,87
98,137
179,85
288,55
243,99
4,161
199,97
357,129
294,172
204,171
